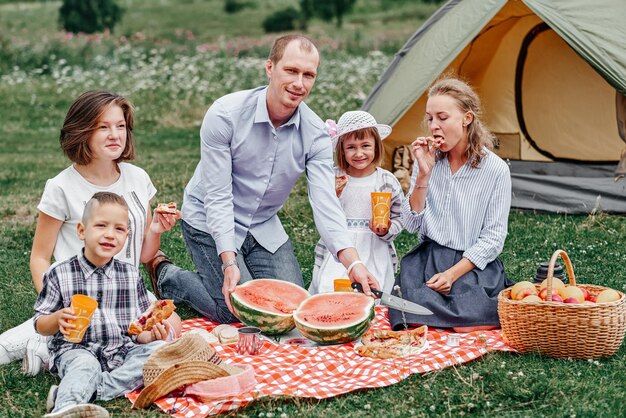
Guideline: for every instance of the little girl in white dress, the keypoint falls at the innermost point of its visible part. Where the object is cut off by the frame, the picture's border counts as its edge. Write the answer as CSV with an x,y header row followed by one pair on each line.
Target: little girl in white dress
x,y
358,153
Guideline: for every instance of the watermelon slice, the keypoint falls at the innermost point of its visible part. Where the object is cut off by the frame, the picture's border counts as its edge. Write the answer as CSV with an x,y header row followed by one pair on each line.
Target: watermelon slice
x,y
334,318
267,304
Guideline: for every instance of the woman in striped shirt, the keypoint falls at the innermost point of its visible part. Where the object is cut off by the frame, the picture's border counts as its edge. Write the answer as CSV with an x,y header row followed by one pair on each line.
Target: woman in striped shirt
x,y
459,202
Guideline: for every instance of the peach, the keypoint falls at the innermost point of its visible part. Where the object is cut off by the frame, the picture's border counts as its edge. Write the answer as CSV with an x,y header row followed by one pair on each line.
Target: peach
x,y
571,300
556,298
556,284
522,289
532,298
543,294
585,292
607,295
572,292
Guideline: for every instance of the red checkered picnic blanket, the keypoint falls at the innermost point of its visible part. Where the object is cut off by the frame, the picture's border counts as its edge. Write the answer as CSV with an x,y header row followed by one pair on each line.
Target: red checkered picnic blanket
x,y
324,372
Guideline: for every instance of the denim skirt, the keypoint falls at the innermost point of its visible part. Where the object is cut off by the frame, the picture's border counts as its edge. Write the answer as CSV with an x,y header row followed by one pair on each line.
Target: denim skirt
x,y
472,301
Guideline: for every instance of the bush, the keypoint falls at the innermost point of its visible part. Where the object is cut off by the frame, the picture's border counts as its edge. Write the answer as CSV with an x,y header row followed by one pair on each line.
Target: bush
x,y
89,16
234,6
281,20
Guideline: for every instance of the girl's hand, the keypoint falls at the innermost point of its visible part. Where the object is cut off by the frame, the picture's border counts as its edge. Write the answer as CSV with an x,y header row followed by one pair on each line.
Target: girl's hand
x,y
66,314
379,230
162,222
441,282
424,152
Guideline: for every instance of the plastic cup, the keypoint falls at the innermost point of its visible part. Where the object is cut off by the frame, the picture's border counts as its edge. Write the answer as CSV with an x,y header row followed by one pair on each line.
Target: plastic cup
x,y
249,343
342,285
84,307
381,203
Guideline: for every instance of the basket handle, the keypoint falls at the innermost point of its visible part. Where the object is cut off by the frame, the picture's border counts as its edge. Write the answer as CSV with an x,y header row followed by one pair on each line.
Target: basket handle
x,y
568,266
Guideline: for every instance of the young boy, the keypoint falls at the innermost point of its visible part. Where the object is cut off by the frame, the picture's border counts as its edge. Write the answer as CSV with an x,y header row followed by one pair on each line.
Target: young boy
x,y
108,362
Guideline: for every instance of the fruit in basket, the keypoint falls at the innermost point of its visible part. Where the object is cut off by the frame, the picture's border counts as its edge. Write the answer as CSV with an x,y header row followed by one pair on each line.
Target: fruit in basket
x,y
572,292
556,284
556,298
267,304
585,292
532,298
334,318
571,300
607,295
522,289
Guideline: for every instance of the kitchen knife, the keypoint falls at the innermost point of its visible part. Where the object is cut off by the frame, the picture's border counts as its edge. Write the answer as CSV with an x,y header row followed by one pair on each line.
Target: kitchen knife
x,y
396,302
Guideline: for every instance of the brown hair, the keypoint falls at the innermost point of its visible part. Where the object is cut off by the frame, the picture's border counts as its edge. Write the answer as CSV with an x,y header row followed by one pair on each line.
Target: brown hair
x,y
278,49
340,155
478,135
102,198
82,119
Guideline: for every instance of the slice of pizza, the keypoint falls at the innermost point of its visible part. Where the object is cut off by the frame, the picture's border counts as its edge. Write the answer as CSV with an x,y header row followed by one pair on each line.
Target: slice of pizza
x,y
169,208
159,311
340,184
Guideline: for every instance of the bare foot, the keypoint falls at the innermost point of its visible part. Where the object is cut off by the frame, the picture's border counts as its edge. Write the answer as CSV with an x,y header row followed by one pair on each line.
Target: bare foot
x,y
472,329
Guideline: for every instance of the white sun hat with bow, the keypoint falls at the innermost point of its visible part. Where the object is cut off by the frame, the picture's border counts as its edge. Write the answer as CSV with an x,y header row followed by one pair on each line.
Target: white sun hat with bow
x,y
353,121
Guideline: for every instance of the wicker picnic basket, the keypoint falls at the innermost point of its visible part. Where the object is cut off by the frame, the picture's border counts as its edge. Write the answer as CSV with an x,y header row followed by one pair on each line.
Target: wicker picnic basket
x,y
563,329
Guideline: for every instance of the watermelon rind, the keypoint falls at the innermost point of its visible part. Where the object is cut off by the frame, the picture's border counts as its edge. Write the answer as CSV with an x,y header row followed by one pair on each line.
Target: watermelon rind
x,y
333,334
271,323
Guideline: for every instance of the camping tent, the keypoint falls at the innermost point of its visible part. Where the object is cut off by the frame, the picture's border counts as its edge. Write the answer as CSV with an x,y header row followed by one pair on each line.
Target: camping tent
x,y
552,78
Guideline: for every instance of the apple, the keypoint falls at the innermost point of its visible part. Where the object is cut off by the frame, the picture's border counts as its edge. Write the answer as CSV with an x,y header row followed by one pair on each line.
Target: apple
x,y
532,298
607,295
522,289
592,299
572,292
571,300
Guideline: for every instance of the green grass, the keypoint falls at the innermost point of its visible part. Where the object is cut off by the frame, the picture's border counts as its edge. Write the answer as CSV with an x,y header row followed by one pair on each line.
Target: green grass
x,y
171,86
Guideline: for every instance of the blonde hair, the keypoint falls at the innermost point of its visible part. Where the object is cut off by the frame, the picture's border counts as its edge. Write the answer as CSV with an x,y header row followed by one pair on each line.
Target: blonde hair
x,y
340,155
280,44
478,135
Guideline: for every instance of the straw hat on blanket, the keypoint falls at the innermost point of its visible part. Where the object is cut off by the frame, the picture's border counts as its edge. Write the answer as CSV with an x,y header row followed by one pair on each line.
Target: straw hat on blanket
x,y
179,363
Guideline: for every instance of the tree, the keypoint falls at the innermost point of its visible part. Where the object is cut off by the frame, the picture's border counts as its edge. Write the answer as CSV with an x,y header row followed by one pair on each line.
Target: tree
x,y
89,16
327,9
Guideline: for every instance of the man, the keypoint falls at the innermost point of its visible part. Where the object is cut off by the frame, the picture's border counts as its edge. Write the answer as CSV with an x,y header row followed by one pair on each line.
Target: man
x,y
255,144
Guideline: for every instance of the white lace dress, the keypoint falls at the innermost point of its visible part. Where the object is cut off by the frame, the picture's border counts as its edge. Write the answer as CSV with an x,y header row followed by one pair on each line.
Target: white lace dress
x,y
377,254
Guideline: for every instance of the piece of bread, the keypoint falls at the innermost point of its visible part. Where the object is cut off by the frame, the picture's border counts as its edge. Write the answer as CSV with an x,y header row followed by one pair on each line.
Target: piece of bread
x,y
169,208
340,184
227,334
158,312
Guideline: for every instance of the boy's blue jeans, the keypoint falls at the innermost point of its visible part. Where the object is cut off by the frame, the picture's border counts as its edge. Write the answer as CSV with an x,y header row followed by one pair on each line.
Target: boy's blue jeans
x,y
203,289
82,376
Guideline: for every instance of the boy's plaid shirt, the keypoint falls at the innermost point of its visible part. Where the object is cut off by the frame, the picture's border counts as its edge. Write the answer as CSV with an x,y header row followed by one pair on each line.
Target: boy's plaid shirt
x,y
121,295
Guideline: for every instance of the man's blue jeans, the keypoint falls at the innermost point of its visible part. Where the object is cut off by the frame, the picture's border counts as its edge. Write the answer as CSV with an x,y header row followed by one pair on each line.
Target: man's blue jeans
x,y
202,290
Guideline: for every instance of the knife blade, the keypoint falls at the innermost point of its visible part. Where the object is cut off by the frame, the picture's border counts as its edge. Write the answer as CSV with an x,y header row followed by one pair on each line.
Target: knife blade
x,y
396,302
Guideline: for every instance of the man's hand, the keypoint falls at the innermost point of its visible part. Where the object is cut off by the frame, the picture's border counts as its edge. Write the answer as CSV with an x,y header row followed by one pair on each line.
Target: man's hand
x,y
360,274
231,279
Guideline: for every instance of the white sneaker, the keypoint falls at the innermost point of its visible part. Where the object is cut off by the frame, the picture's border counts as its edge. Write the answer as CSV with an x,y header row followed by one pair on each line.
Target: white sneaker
x,y
52,397
84,410
13,341
36,356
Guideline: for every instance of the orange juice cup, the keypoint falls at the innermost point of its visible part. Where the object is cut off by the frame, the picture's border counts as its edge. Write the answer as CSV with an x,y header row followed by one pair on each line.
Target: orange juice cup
x,y
343,285
381,202
84,307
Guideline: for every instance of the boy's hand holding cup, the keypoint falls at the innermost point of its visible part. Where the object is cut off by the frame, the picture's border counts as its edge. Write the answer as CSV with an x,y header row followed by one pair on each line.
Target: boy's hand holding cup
x,y
83,308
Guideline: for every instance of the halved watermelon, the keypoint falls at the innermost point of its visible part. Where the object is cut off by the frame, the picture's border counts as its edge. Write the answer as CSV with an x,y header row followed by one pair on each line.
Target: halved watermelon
x,y
267,304
334,318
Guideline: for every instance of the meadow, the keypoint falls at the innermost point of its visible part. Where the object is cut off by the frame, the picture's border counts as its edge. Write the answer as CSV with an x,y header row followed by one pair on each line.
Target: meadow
x,y
173,59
